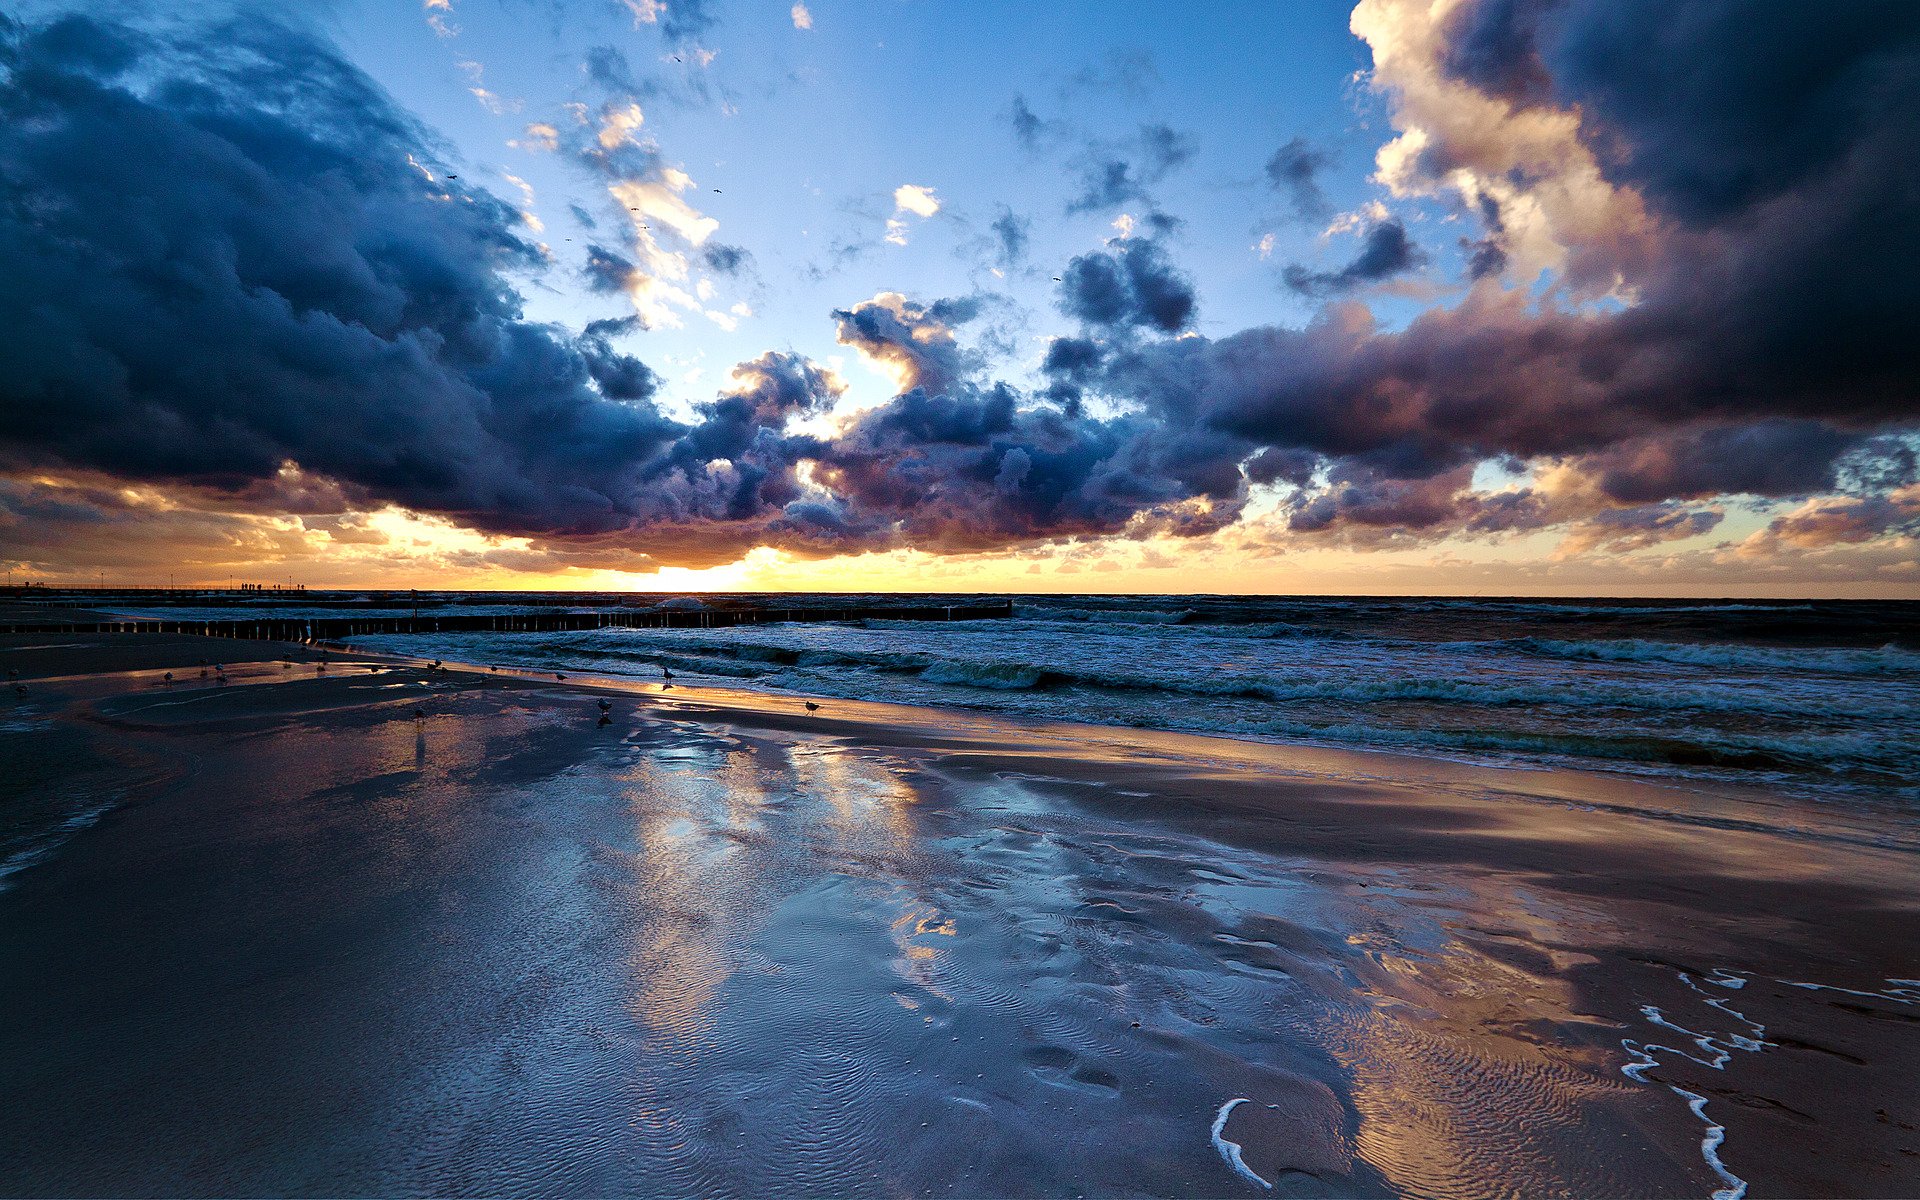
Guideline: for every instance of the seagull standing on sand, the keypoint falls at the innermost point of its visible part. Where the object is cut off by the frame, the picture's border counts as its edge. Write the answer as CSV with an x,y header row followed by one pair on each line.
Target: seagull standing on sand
x,y
664,673
812,707
558,675
606,706
167,679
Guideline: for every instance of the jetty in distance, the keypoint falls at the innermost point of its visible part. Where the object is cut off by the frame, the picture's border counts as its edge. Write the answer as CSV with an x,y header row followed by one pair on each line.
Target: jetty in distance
x,y
361,613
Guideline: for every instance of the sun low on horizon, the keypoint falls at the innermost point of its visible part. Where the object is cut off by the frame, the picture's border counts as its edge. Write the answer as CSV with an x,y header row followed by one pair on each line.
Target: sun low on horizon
x,y
1399,297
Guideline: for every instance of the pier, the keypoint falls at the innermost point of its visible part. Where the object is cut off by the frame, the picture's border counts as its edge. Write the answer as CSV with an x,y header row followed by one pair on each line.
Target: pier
x,y
341,628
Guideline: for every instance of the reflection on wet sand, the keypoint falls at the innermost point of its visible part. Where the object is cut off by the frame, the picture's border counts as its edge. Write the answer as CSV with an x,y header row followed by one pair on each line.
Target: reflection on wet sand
x,y
715,956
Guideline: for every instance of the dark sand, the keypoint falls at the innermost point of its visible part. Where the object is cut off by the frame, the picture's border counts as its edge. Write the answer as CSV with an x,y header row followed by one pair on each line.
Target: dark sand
x,y
296,942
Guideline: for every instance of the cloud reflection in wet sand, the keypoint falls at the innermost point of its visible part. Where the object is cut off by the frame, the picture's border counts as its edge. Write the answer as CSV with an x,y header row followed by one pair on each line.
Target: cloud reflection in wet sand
x,y
702,957
848,972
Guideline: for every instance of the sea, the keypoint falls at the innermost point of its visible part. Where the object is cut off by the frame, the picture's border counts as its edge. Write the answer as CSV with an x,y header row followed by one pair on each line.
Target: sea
x,y
1815,698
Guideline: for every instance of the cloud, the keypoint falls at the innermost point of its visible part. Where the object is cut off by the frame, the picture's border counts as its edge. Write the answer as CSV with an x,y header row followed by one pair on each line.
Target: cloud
x,y
1127,73
913,198
1622,530
1676,316
1838,521
1385,252
680,21
1028,128
1011,235
913,342
1112,175
727,260
802,19
1133,285
1294,172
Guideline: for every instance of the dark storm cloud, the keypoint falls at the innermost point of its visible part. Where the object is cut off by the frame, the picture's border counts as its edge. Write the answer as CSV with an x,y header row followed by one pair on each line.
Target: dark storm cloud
x,y
1294,172
1740,102
1133,284
619,376
973,470
1771,458
1385,251
216,260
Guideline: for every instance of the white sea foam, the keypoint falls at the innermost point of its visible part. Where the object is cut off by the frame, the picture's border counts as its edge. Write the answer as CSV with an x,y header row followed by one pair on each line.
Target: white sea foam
x,y
1231,1150
1644,1056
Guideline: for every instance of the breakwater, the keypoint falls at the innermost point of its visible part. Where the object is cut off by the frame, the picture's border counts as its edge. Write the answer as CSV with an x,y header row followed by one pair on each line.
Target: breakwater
x,y
334,629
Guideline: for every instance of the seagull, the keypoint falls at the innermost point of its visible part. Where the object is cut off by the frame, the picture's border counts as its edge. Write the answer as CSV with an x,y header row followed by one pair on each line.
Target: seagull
x,y
665,674
558,675
453,177
167,679
812,707
493,668
606,706
419,714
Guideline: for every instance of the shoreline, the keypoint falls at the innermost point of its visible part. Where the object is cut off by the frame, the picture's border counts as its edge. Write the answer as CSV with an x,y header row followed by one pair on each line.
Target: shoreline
x,y
1533,917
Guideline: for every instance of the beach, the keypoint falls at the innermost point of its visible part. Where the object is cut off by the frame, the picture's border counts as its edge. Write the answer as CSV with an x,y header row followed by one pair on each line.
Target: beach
x,y
279,935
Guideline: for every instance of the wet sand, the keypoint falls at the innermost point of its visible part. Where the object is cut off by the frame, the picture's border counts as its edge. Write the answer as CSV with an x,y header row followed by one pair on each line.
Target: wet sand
x,y
310,944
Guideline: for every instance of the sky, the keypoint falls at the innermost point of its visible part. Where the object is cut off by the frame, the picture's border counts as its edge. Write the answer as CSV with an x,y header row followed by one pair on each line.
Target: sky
x,y
1409,296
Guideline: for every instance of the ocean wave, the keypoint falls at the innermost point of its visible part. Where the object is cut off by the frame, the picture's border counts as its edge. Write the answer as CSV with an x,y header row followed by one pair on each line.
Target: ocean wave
x,y
721,655
1826,754
1884,660
1104,616
998,676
